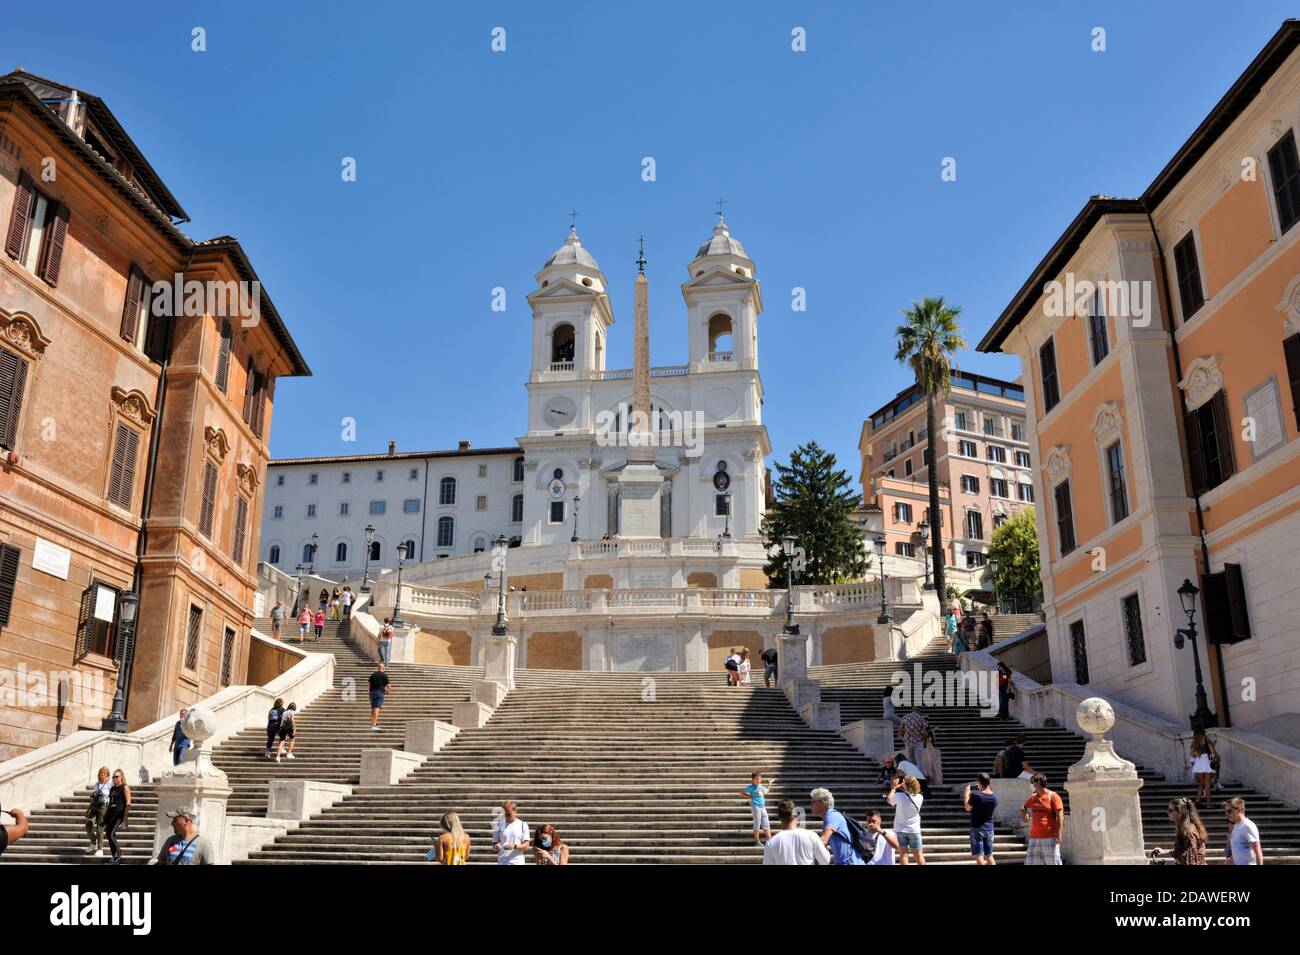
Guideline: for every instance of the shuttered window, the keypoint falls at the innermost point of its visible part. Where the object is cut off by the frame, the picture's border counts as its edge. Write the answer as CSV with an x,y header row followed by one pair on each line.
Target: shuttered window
x,y
121,479
1134,639
1188,270
250,391
51,253
13,382
1291,349
131,307
16,237
208,505
241,524
223,357
9,557
1079,651
1118,482
1284,165
1223,595
94,634
227,656
1047,370
1209,444
192,634
1064,518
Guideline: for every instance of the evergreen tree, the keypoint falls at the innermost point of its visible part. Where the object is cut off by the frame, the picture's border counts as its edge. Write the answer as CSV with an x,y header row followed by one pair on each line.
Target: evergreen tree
x,y
813,501
1015,547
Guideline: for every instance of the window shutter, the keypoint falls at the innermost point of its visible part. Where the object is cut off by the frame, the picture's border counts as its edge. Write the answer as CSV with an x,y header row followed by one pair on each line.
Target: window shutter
x,y
223,357
155,345
259,405
131,307
1223,435
83,623
241,520
250,391
1238,613
1291,348
118,466
52,255
13,380
9,556
208,504
18,219
1195,459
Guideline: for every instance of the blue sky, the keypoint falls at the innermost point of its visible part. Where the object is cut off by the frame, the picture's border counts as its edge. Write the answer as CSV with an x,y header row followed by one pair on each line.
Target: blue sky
x,y
468,162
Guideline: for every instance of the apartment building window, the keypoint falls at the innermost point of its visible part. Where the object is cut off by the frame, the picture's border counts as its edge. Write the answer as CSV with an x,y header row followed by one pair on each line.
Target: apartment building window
x,y
557,510
517,509
1291,351
414,474
347,477
411,505
447,491
996,453
903,549
308,553
375,550
279,480
38,228
907,468
482,470
1025,492
378,507
1022,459
1134,641
379,475
240,531
1064,518
991,425
518,470
408,548
480,503
10,557
1079,651
480,544
227,656
1284,165
144,330
13,385
1209,444
344,506
967,449
959,421
121,477
273,555
192,634
974,525
1047,371
1188,270
998,487
902,513
311,510
975,558
1017,431
341,552
890,473
1118,485
970,484
278,513
1097,340
222,375
208,504
312,478
97,621
1227,616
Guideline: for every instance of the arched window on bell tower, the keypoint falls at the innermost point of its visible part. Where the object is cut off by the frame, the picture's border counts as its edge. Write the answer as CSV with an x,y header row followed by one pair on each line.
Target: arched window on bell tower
x,y
563,344
720,339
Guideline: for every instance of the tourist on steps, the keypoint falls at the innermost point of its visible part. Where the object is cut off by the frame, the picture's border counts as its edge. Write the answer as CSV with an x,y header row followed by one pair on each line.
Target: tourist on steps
x,y
756,792
185,846
1190,837
1046,816
986,633
273,718
835,829
286,731
950,625
931,758
732,665
277,620
884,840
980,803
794,845
96,811
510,835
913,727
119,812
336,603
548,847
304,622
380,686
743,667
904,767
905,796
1202,759
320,623
384,642
768,657
1244,847
1005,693
347,602
451,847
180,742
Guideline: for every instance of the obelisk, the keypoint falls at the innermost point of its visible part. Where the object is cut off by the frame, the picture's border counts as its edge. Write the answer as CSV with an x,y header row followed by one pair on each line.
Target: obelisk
x,y
640,485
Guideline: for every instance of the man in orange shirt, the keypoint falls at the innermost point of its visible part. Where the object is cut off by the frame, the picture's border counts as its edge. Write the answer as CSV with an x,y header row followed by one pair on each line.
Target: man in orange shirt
x,y
1046,815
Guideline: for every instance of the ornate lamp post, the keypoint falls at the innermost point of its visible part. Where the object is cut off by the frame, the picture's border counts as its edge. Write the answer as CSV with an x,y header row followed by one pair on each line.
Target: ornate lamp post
x,y
297,600
365,574
787,548
726,518
1202,718
499,548
884,600
397,620
924,530
315,538
574,538
993,576
128,604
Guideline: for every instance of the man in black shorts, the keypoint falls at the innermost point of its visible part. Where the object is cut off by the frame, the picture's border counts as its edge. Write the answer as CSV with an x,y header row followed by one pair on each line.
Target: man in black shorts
x,y
11,834
379,686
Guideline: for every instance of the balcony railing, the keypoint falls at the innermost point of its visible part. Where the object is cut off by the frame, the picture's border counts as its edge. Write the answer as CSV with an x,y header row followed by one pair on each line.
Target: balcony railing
x,y
721,356
561,366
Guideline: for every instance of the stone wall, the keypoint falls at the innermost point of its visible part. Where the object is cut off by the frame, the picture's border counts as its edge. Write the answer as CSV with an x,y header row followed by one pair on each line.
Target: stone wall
x,y
848,645
451,647
557,650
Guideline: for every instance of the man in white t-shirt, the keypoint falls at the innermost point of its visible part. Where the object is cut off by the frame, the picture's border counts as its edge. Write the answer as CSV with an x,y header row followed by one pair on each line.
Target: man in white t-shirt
x,y
510,836
794,845
886,840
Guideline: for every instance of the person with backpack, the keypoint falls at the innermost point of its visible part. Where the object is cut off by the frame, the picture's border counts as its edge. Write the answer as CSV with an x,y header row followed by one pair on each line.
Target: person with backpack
x,y
794,845
384,642
905,796
273,718
286,731
768,657
980,803
837,829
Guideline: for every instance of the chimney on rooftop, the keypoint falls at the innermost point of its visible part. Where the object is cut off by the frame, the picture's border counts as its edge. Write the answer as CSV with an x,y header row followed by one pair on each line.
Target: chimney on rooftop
x,y
464,446
392,448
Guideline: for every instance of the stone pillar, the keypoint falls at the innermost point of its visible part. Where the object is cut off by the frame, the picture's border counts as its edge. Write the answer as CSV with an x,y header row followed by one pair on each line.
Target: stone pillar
x,y
197,787
871,738
499,659
1105,822
792,658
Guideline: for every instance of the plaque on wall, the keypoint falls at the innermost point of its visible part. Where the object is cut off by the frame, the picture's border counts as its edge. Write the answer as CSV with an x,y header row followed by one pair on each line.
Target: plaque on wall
x,y
643,652
51,559
1263,411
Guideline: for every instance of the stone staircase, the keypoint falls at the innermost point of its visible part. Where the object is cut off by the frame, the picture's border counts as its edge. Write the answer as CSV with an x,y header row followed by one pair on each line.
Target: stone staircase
x,y
1007,625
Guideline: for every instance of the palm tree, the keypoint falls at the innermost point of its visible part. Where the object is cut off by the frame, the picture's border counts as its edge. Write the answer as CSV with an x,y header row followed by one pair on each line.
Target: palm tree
x,y
926,343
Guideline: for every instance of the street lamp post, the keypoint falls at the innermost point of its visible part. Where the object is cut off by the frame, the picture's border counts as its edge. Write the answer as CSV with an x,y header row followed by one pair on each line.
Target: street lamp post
x,y
128,604
499,559
924,529
1202,718
365,574
297,601
726,518
397,620
574,538
787,548
315,538
884,600
993,576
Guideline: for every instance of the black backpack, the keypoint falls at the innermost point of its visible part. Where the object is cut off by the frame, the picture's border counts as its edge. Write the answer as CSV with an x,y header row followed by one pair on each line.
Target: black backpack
x,y
860,839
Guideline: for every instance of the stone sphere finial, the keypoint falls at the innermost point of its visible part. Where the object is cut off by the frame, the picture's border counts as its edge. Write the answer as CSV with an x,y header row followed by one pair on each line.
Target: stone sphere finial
x,y
1095,716
200,724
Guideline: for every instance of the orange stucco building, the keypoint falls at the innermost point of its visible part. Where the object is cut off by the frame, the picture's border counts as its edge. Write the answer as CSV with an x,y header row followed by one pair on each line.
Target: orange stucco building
x,y
133,426
1160,345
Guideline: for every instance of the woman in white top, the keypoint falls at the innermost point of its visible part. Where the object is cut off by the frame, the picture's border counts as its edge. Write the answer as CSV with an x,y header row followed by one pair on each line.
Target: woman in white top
x,y
905,796
743,667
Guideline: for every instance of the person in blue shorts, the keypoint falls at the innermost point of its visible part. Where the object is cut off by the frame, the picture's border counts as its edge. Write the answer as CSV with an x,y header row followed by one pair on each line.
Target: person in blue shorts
x,y
980,803
756,792
380,685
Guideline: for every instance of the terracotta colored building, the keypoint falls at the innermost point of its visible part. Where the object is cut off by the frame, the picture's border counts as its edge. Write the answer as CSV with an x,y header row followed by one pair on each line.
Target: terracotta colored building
x,y
134,417
984,462
1160,337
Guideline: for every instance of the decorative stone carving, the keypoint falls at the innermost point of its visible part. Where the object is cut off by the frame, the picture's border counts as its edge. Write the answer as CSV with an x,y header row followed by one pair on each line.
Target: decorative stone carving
x,y
1290,307
134,406
1103,787
1107,423
248,479
753,454
1202,381
1057,467
21,331
1136,244
218,444
530,465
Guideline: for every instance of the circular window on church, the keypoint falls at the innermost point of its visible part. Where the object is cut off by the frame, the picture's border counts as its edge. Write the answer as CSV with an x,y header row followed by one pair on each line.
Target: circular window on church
x,y
587,282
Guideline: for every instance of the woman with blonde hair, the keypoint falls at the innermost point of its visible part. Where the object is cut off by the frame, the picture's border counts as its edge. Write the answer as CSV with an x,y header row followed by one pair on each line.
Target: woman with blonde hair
x,y
97,810
1203,754
453,842
1189,833
905,796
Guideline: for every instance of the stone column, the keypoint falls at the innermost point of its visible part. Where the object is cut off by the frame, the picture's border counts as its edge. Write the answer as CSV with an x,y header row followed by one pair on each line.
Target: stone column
x,y
792,658
197,787
1105,822
499,659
